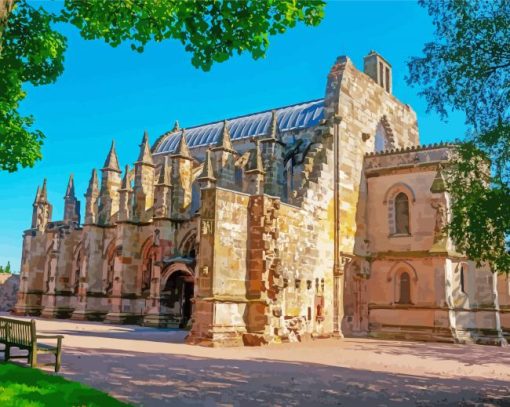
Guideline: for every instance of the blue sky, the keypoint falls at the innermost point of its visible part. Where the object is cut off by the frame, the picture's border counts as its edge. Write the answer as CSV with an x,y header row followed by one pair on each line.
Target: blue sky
x,y
114,93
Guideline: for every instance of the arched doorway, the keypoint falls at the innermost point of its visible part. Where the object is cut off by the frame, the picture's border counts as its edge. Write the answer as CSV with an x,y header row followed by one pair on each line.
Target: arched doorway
x,y
177,294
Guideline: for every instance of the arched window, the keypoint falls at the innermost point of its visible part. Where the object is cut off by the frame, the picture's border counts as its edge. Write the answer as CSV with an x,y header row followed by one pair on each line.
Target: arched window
x,y
77,272
405,289
462,281
110,268
402,214
380,139
238,175
195,198
189,245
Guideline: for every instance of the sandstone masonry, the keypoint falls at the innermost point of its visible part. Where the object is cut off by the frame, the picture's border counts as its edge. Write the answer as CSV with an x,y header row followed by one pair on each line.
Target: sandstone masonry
x,y
317,219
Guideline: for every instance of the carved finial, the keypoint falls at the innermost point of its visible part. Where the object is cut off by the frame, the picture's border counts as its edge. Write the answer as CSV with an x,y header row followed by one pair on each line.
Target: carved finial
x,y
183,149
439,183
207,171
37,194
176,126
112,162
126,184
43,196
70,188
145,151
93,187
224,142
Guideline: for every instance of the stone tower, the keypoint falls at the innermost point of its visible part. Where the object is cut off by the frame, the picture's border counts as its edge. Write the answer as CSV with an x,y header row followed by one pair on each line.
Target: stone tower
x,y
163,192
182,167
224,157
143,191
92,196
125,197
254,174
110,184
41,213
379,70
207,178
71,204
272,155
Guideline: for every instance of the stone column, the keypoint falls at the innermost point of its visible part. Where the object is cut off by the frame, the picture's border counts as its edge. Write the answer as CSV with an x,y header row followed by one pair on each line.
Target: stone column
x,y
338,294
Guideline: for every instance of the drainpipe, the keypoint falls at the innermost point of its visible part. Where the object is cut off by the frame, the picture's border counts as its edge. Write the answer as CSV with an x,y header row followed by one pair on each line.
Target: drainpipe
x,y
338,306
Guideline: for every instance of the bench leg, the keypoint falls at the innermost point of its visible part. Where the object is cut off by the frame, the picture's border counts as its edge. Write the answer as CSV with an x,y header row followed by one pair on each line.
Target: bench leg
x,y
7,353
58,360
32,357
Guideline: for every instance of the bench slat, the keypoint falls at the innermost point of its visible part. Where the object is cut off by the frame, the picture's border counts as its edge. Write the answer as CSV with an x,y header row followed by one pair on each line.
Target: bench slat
x,y
23,335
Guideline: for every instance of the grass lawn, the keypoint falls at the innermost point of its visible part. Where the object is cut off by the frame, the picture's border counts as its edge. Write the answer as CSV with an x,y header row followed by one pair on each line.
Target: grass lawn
x,y
23,386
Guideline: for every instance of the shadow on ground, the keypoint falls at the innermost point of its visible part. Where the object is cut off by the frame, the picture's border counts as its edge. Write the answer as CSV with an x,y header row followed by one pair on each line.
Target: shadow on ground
x,y
163,335
154,380
468,354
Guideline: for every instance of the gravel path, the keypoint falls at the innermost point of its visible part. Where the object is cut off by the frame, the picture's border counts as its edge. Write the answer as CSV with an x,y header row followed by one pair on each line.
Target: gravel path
x,y
154,367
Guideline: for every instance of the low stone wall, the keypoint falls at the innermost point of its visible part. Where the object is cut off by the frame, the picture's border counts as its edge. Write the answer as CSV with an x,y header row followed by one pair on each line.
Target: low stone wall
x,y
9,284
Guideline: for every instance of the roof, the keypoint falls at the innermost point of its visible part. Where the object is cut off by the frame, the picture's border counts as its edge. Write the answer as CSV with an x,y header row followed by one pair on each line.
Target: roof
x,y
294,117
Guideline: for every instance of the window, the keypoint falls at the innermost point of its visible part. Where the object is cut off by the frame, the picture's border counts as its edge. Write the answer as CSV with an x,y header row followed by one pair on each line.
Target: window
x,y
387,83
405,289
109,274
380,139
238,176
77,272
402,214
195,198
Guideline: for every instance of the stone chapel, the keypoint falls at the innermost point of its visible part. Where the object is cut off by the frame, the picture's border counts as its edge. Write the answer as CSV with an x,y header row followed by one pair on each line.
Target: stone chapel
x,y
323,218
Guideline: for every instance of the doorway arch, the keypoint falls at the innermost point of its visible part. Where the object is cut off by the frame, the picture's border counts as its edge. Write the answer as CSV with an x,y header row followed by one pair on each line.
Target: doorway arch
x,y
177,293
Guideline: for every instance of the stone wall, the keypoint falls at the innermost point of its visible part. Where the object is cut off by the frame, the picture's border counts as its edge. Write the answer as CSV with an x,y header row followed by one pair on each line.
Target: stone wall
x,y
362,105
450,298
9,284
220,296
268,232
264,268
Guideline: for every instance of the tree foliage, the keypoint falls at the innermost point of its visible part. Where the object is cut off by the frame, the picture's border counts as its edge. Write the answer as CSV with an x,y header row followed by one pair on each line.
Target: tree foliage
x,y
32,50
211,30
467,68
6,269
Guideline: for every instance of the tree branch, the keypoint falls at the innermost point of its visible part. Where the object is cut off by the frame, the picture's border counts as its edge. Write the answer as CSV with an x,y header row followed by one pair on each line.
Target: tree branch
x,y
6,7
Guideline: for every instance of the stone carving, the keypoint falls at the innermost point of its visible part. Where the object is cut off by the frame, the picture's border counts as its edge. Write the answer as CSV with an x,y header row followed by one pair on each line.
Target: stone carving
x,y
155,238
207,227
440,221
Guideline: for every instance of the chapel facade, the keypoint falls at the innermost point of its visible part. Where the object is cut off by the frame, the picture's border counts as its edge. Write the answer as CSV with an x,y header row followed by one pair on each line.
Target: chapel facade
x,y
324,218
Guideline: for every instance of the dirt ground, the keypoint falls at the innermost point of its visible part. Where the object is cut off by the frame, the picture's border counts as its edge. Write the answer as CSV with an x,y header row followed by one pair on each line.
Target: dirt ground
x,y
154,367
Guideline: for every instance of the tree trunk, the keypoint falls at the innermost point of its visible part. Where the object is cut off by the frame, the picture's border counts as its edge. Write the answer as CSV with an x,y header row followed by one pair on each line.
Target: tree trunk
x,y
6,7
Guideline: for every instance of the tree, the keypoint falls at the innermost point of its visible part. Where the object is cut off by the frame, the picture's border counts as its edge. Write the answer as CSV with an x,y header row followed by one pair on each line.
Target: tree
x,y
467,68
7,268
32,50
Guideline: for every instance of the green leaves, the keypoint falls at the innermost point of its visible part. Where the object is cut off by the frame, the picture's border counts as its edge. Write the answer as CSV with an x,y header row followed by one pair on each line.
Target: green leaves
x,y
213,31
467,68
479,223
31,52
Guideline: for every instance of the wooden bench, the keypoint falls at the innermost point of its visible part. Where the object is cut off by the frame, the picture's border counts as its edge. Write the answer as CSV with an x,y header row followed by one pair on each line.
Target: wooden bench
x,y
19,334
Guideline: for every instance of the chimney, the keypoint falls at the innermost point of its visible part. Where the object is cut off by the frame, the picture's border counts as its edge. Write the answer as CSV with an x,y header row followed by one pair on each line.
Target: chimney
x,y
379,70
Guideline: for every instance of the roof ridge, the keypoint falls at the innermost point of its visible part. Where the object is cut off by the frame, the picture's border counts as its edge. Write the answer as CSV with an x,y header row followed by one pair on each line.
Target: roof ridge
x,y
246,115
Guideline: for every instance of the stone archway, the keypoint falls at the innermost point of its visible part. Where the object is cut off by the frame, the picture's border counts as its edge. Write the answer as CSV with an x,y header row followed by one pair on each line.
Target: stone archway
x,y
177,293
